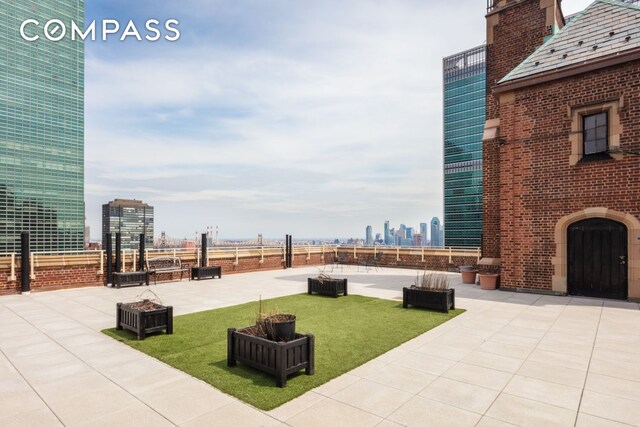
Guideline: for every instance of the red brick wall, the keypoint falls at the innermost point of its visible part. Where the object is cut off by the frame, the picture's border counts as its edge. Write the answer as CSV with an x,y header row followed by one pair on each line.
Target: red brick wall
x,y
50,278
57,277
538,186
431,262
5,285
520,30
270,263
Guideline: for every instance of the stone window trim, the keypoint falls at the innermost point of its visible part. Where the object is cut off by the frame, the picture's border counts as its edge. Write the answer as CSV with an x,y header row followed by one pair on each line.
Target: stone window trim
x,y
576,114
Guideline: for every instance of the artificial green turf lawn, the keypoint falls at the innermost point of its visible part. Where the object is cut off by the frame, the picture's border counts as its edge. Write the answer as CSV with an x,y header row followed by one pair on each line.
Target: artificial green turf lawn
x,y
349,331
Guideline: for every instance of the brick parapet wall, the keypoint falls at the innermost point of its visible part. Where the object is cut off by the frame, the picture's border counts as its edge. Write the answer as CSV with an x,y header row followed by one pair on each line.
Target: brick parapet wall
x,y
57,272
437,260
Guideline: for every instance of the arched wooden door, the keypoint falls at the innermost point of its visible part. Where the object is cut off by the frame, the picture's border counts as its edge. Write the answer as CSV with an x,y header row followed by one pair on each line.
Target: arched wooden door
x,y
597,258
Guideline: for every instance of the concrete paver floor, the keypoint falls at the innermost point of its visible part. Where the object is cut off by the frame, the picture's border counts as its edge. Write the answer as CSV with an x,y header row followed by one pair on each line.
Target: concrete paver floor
x,y
510,359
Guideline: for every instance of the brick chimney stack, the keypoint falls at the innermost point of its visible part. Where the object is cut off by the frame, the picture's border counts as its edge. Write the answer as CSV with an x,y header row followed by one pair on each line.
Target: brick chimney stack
x,y
515,29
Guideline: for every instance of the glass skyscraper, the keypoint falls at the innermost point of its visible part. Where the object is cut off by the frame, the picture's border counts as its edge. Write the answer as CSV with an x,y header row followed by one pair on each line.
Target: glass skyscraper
x,y
423,233
388,238
41,128
436,233
464,117
130,218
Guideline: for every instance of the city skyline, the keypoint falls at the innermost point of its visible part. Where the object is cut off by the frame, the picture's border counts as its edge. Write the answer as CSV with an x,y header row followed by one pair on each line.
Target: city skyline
x,y
247,136
389,235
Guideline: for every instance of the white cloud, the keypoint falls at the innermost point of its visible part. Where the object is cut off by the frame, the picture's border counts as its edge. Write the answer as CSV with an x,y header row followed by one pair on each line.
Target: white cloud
x,y
326,119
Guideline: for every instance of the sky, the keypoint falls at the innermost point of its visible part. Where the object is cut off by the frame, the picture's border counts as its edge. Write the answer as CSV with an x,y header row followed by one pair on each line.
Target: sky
x,y
276,117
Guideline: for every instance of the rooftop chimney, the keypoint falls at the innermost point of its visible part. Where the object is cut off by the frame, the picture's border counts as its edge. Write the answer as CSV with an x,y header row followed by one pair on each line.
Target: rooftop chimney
x,y
515,29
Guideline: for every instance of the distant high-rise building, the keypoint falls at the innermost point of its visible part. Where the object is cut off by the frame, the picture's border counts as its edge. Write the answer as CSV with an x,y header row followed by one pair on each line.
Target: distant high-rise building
x,y
409,232
130,218
388,238
436,233
378,238
369,240
87,234
41,129
423,233
464,118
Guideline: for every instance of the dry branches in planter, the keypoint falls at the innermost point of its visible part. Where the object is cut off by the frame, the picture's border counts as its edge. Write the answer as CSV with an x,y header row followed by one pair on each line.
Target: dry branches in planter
x,y
271,345
432,281
326,285
144,316
273,324
430,291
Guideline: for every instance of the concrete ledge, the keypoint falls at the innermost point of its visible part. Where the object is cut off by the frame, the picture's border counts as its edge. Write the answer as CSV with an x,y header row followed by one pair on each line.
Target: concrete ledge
x,y
489,261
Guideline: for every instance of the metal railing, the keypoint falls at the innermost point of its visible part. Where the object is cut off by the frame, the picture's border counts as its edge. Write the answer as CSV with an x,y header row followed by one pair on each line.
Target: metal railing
x,y
129,257
422,251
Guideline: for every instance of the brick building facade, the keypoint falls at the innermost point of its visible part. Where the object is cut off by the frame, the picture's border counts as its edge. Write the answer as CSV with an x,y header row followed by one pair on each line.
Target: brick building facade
x,y
561,148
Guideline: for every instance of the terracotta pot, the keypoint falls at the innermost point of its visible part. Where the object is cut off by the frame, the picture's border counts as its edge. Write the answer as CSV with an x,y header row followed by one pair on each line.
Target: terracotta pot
x,y
468,276
488,281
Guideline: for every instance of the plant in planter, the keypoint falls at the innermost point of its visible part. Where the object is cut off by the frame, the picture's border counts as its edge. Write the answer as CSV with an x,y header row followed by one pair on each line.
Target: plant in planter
x,y
430,291
280,327
327,285
468,274
272,346
144,316
275,324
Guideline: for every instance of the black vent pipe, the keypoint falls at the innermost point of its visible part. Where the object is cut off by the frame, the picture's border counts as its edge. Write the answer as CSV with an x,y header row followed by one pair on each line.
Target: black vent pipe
x,y
25,261
109,250
118,252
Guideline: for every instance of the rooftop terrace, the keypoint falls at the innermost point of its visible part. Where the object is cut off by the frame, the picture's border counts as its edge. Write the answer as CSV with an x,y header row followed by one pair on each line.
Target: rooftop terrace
x,y
513,358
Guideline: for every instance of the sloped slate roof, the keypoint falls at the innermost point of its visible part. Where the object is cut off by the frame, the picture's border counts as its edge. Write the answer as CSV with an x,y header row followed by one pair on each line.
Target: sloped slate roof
x,y
605,28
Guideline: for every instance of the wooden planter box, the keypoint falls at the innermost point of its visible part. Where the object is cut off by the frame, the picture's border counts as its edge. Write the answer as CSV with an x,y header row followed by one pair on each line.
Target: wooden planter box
x,y
332,287
433,300
276,358
206,272
135,278
144,322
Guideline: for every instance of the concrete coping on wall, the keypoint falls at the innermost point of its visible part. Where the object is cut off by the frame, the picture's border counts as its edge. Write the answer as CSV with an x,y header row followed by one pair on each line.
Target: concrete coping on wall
x,y
489,261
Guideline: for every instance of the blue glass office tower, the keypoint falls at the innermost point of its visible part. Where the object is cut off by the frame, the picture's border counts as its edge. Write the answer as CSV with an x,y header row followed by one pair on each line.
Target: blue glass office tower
x,y
41,128
369,236
388,239
464,117
436,233
423,233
